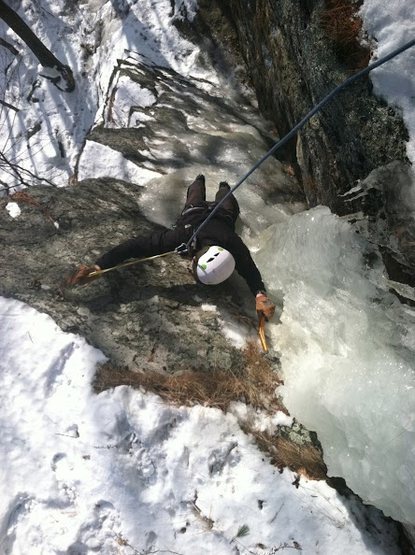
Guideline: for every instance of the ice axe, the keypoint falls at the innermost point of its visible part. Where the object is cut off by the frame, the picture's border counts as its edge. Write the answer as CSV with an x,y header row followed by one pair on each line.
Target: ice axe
x,y
261,332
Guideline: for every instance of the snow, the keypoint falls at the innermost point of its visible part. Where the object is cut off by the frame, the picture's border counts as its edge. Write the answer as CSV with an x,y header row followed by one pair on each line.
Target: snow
x,y
123,471
186,9
259,421
127,97
13,209
90,37
235,333
102,161
392,24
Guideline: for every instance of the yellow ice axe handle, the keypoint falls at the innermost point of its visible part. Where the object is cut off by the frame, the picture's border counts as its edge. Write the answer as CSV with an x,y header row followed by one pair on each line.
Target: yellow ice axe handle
x,y
261,332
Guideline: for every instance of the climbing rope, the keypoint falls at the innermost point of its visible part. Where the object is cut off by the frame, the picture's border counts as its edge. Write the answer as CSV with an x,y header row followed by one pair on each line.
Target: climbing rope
x,y
186,246
97,273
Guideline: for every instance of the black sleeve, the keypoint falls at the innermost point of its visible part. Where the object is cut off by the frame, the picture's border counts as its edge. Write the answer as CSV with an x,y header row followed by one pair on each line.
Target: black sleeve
x,y
245,266
158,242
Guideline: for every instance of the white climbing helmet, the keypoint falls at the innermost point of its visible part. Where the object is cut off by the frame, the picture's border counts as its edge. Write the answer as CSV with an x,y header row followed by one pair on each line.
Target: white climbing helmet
x,y
212,265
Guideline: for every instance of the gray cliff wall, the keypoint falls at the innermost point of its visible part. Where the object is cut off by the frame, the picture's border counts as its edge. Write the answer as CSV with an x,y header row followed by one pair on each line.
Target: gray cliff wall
x,y
292,63
147,317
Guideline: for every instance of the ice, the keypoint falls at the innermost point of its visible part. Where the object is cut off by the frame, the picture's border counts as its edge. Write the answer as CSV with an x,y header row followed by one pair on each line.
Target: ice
x,y
347,363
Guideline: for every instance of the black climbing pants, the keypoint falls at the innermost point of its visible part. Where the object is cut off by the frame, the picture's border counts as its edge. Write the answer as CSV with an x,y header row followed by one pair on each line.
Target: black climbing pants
x,y
196,197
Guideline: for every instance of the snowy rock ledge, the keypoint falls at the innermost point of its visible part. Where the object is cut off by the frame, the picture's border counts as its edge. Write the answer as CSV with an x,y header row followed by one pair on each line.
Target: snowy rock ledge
x,y
146,317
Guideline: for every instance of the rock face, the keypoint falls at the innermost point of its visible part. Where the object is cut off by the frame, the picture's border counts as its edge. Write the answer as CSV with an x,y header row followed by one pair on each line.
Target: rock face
x,y
145,317
293,64
388,199
158,130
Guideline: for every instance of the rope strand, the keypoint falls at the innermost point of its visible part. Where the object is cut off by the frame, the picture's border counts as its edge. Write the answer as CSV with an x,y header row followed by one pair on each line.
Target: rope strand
x,y
130,263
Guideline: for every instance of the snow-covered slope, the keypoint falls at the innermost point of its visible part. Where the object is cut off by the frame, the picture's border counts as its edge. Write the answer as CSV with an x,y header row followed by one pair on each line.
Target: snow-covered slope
x,y
45,132
122,472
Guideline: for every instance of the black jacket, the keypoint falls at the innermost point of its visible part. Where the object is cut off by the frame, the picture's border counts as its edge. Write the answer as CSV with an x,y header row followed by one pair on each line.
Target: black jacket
x,y
218,231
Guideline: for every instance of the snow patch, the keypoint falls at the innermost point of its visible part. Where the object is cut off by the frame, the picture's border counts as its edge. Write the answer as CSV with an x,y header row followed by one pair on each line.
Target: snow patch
x,y
13,209
129,97
392,24
98,160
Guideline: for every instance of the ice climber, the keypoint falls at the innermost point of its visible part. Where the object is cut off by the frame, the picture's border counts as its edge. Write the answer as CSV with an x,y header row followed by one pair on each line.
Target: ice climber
x,y
218,250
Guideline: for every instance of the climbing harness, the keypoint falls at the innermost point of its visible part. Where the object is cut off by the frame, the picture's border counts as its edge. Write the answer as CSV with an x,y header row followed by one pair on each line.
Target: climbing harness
x,y
299,126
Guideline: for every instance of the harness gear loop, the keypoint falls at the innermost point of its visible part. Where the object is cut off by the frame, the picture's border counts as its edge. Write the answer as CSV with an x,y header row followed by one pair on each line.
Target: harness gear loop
x,y
182,249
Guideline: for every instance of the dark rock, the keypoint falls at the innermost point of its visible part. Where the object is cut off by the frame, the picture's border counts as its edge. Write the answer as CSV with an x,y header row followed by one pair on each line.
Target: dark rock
x,y
387,204
292,64
145,317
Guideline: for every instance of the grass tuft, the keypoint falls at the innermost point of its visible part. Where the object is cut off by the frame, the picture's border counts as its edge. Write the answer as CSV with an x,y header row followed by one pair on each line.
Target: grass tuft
x,y
23,197
243,531
255,384
343,26
305,459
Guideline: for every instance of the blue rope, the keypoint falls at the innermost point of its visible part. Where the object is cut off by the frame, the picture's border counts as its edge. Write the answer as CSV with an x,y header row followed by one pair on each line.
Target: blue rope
x,y
185,247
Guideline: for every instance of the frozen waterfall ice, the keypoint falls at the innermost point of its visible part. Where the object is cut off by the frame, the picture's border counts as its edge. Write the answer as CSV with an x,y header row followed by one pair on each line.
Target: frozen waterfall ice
x,y
347,351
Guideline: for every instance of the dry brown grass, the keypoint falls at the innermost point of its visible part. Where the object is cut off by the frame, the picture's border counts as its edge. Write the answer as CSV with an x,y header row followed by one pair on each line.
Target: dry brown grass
x,y
255,384
343,26
23,197
305,459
